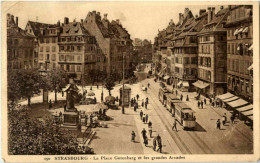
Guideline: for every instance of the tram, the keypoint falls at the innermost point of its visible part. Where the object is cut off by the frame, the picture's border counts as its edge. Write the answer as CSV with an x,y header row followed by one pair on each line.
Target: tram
x,y
185,116
170,103
162,95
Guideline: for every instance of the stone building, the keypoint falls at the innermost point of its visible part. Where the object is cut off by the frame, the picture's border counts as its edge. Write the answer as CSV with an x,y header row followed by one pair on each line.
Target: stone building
x,y
20,46
212,55
240,51
113,40
47,44
186,48
144,50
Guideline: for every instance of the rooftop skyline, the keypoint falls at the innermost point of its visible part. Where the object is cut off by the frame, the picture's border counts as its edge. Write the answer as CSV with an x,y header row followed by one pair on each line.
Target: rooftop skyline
x,y
141,19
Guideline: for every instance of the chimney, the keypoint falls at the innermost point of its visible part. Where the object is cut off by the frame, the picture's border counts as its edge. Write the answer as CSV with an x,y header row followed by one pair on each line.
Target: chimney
x,y
209,14
12,18
213,12
17,21
66,20
202,11
229,7
58,23
117,21
221,7
98,13
179,18
186,11
81,21
196,16
105,16
94,12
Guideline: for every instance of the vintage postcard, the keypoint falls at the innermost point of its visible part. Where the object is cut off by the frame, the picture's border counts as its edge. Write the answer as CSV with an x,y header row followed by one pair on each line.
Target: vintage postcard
x,y
121,81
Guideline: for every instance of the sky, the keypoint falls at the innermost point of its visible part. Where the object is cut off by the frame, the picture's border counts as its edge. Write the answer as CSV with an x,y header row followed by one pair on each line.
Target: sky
x,y
141,19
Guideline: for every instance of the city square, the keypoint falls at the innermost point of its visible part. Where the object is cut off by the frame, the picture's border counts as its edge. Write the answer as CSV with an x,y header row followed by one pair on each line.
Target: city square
x,y
86,86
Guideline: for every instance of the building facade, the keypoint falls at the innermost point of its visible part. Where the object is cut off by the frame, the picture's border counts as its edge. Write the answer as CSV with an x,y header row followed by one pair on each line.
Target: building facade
x,y
20,46
239,51
212,55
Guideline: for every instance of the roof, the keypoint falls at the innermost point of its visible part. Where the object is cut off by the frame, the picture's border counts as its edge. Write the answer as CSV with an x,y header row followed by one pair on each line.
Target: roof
x,y
18,32
237,103
172,97
225,96
74,28
36,26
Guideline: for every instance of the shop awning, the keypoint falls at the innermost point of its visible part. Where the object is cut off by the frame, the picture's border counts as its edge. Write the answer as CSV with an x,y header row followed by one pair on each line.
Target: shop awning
x,y
250,67
248,113
236,32
200,84
225,96
231,99
250,117
179,83
166,77
245,30
185,84
245,108
251,47
237,103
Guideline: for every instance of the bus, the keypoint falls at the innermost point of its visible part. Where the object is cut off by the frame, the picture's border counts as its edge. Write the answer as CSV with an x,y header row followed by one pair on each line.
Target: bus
x,y
162,95
170,103
185,116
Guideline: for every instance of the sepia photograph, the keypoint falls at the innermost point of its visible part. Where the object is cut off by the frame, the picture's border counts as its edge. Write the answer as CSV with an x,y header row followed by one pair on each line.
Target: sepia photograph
x,y
129,81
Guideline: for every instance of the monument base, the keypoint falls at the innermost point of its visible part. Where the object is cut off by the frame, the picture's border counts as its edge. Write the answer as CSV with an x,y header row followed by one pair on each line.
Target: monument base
x,y
70,119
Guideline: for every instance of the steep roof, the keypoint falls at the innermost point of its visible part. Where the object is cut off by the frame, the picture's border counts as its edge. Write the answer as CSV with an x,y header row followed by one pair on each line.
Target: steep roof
x,y
74,28
18,32
36,26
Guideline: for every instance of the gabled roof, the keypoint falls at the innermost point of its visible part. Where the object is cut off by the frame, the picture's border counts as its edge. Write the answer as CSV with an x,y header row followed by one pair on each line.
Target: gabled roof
x,y
18,32
36,26
74,28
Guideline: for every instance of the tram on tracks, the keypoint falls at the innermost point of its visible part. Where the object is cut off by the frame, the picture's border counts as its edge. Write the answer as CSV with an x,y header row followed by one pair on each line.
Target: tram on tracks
x,y
162,95
170,103
185,116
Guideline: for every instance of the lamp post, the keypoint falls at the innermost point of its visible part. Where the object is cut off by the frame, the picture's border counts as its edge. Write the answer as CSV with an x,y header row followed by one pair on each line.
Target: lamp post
x,y
102,93
123,104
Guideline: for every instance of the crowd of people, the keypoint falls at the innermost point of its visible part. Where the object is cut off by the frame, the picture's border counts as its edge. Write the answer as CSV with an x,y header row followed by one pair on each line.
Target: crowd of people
x,y
38,136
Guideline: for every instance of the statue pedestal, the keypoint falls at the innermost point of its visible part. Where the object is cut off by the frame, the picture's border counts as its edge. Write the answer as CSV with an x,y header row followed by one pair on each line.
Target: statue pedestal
x,y
70,119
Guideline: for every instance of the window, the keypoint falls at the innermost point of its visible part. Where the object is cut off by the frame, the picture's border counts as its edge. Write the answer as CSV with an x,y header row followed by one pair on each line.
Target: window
x,y
61,57
41,49
62,67
47,40
53,48
47,48
53,40
68,47
48,57
78,58
61,48
53,57
98,59
78,48
78,68
72,68
63,39
68,39
228,48
186,60
68,68
194,60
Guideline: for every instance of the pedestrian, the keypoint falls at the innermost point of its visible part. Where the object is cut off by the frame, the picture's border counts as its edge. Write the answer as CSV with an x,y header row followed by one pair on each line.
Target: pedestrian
x,y
62,93
134,108
95,100
145,141
141,114
131,102
154,143
160,146
174,126
158,138
187,98
205,101
146,118
100,112
50,104
150,124
224,119
134,100
143,133
181,97
232,118
137,97
117,98
148,85
201,103
65,106
60,114
210,100
133,136
198,104
213,103
176,92
97,86
147,100
150,132
218,124
145,105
